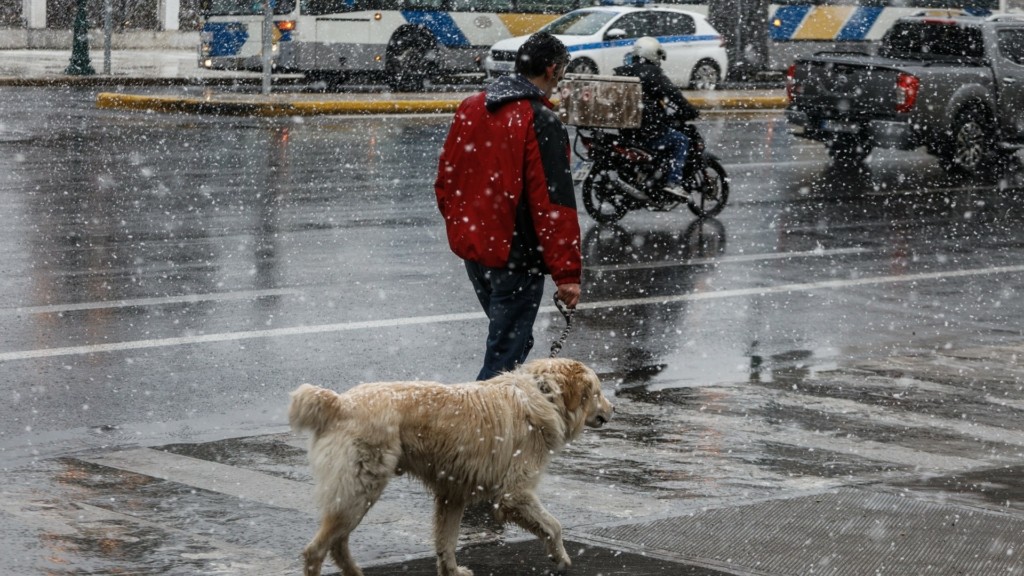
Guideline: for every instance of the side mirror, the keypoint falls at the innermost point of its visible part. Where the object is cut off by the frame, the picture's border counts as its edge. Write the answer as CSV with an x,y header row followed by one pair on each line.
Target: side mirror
x,y
615,34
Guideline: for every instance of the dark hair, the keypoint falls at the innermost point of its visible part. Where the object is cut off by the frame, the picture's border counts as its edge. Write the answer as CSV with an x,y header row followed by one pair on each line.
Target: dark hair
x,y
538,52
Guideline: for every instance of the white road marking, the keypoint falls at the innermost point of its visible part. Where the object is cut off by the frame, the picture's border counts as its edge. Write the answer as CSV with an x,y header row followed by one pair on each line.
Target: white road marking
x,y
184,299
441,318
728,259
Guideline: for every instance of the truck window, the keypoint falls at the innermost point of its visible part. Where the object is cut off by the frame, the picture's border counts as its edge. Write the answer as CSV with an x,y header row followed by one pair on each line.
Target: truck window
x,y
920,39
1011,45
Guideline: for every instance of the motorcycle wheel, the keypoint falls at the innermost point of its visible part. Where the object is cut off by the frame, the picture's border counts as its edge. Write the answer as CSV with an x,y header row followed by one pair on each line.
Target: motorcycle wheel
x,y
600,198
710,190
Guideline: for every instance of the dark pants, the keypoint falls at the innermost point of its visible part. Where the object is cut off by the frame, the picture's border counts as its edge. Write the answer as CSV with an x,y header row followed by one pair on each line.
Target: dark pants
x,y
510,300
673,145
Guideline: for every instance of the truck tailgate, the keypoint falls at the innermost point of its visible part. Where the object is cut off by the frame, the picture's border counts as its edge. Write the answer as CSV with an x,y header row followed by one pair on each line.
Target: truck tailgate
x,y
835,88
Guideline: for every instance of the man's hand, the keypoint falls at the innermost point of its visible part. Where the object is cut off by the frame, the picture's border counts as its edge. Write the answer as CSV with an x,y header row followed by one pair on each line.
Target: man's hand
x,y
569,294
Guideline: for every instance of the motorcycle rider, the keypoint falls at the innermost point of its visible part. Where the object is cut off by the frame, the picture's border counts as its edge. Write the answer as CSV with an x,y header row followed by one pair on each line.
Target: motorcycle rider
x,y
663,107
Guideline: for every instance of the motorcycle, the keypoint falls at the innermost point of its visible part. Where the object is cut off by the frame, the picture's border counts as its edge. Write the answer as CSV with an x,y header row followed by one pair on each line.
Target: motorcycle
x,y
620,175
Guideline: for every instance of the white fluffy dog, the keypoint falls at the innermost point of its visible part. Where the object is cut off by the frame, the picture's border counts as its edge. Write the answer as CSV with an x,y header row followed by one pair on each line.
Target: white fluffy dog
x,y
483,441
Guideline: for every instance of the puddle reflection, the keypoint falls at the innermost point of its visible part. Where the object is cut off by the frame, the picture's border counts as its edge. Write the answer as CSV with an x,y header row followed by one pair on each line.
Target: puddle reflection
x,y
625,263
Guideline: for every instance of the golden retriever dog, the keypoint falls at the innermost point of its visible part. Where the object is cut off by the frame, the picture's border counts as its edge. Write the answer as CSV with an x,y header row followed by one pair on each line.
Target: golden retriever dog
x,y
483,441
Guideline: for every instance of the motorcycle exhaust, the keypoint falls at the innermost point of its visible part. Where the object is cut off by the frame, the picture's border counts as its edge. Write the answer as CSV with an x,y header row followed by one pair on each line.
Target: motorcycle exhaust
x,y
628,188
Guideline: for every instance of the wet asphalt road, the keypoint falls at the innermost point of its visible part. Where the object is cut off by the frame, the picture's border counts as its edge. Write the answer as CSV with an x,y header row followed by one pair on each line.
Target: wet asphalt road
x,y
166,280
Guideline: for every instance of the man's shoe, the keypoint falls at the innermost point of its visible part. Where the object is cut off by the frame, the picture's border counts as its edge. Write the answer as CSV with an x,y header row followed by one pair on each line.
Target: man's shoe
x,y
677,191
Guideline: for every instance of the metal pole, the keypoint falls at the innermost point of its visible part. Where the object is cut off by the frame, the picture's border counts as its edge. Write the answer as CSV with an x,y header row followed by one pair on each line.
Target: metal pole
x,y
80,65
268,24
108,30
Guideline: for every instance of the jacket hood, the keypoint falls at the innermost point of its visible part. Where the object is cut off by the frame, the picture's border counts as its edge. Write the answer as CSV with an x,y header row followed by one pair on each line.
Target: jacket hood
x,y
509,89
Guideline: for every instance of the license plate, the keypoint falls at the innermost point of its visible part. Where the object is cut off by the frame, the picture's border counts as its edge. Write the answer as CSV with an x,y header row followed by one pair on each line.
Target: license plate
x,y
843,127
581,170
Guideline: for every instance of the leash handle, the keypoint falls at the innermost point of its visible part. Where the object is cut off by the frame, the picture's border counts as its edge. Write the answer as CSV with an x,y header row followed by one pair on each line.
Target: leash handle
x,y
556,346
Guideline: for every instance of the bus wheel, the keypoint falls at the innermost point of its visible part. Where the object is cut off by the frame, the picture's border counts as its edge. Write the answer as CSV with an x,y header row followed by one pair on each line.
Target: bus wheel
x,y
408,62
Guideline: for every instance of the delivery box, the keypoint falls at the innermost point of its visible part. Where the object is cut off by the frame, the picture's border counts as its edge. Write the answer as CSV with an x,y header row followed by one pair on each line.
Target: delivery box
x,y
600,101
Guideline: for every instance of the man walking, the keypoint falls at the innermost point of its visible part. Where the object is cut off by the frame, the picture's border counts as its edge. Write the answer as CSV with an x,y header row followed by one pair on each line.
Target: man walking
x,y
505,190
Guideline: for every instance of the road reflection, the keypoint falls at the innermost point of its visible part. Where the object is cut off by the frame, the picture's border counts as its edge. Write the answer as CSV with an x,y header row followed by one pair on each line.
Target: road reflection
x,y
624,263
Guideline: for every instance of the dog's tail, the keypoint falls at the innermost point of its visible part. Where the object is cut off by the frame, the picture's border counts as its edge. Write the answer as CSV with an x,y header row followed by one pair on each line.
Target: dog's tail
x,y
312,408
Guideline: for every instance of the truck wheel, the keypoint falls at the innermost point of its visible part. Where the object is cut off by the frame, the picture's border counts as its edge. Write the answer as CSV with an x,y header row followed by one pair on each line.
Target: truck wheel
x,y
408,64
971,144
849,148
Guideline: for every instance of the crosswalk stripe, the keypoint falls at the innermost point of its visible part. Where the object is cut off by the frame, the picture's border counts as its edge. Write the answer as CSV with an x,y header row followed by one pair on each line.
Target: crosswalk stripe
x,y
212,476
70,520
882,416
866,449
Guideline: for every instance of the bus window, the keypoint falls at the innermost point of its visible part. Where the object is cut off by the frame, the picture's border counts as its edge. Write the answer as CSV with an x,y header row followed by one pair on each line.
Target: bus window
x,y
422,4
247,7
320,7
378,5
481,5
545,6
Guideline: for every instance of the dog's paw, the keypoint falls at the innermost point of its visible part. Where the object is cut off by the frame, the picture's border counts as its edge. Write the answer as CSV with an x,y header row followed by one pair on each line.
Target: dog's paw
x,y
559,570
463,571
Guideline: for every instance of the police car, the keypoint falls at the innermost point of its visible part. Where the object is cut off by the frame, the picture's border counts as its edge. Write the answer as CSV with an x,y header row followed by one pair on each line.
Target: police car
x,y
600,37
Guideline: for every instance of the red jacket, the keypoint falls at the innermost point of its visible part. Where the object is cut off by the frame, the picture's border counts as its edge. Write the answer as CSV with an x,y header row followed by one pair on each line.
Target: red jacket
x,y
503,183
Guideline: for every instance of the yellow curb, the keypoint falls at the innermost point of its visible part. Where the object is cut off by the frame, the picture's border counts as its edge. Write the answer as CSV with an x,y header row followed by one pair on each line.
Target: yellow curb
x,y
269,106
739,103
177,104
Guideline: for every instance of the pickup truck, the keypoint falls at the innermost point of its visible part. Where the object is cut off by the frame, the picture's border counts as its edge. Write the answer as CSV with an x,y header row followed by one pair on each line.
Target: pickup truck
x,y
952,83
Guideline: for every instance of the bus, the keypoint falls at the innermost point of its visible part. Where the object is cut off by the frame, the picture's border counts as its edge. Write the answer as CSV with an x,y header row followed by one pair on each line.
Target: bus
x,y
407,42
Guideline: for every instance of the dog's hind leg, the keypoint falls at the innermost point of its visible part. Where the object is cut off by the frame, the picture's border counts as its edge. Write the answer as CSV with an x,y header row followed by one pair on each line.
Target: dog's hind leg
x,y
332,536
343,558
447,517
346,498
526,510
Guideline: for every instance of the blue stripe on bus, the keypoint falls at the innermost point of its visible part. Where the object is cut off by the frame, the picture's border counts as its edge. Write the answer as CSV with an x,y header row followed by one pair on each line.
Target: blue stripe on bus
x,y
226,38
786,20
629,42
440,24
856,28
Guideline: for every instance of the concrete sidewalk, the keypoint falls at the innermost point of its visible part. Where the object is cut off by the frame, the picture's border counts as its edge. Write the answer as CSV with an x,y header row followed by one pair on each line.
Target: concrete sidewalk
x,y
137,68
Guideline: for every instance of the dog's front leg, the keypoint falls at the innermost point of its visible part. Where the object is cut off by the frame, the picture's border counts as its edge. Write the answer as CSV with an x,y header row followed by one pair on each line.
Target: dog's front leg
x,y
447,517
526,511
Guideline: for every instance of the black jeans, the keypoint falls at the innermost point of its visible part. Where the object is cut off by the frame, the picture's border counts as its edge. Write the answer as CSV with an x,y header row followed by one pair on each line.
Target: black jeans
x,y
511,300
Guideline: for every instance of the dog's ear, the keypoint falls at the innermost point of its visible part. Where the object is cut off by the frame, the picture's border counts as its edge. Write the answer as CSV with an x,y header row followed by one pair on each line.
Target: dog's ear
x,y
573,376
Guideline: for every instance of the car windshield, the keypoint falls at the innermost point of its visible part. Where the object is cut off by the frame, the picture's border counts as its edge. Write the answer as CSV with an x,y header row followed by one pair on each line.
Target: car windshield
x,y
580,23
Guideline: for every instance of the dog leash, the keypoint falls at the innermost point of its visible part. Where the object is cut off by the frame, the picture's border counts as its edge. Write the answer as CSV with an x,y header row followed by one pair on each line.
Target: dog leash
x,y
556,346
